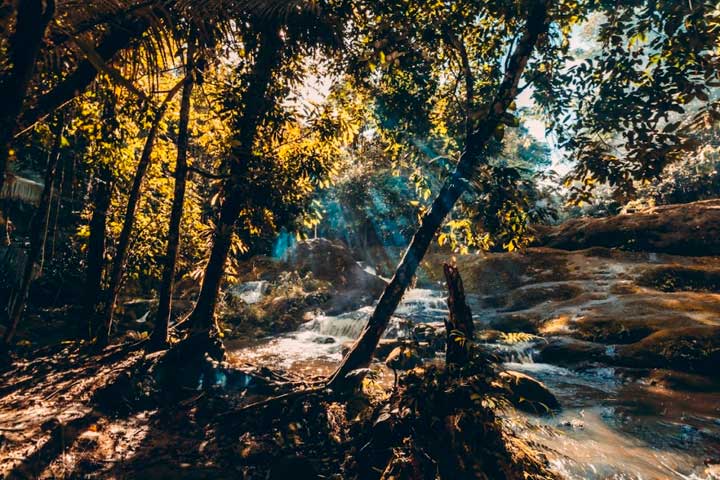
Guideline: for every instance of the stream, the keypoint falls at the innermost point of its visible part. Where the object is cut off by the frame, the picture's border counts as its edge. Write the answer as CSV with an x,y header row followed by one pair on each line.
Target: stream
x,y
610,426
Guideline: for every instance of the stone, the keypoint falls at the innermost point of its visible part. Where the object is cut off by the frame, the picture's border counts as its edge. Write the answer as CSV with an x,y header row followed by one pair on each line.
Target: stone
x,y
403,357
529,394
569,351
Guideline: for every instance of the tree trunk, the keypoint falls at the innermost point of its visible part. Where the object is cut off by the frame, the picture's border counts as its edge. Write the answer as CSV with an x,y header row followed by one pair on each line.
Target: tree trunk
x,y
360,354
459,326
102,196
24,46
202,318
159,338
58,207
121,252
37,236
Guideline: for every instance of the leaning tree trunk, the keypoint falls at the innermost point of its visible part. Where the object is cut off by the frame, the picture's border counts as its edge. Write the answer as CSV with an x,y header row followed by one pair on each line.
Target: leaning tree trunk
x,y
24,46
159,338
121,252
361,353
459,326
202,318
37,236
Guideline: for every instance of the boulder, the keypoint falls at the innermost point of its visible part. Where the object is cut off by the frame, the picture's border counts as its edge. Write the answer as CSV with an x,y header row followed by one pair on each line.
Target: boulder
x,y
691,229
333,262
404,357
529,394
569,351
690,349
530,296
248,292
683,381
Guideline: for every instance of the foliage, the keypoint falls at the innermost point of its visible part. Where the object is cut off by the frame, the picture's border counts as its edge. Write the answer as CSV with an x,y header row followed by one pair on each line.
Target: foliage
x,y
639,102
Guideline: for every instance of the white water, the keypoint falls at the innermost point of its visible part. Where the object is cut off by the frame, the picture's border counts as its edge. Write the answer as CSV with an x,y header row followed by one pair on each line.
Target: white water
x,y
250,292
319,341
609,427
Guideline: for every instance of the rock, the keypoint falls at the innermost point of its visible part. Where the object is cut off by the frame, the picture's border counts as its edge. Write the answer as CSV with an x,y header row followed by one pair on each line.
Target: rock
x,y
682,278
333,262
489,336
433,336
573,424
403,357
492,276
530,296
324,340
568,351
528,394
691,229
515,322
88,440
387,345
248,292
690,349
683,381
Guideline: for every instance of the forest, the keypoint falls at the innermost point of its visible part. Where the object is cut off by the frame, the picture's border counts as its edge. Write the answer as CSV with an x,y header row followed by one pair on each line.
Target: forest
x,y
368,239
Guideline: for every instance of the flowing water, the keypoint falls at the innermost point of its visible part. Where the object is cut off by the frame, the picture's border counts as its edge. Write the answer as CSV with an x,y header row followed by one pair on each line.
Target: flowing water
x,y
610,427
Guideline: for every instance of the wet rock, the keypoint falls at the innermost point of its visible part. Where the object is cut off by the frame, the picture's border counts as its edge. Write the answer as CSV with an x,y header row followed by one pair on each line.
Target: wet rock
x,y
404,357
333,262
664,228
489,336
387,345
527,297
683,381
516,322
529,394
433,336
496,274
682,278
572,424
568,351
691,349
324,340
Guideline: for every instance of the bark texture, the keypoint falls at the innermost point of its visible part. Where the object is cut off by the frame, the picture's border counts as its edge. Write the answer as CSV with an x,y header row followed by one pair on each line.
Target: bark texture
x,y
121,253
102,195
459,325
160,333
202,319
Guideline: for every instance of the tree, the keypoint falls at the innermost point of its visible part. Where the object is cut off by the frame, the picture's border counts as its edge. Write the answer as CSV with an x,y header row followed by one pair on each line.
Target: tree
x,y
160,333
267,58
118,266
286,36
640,100
477,137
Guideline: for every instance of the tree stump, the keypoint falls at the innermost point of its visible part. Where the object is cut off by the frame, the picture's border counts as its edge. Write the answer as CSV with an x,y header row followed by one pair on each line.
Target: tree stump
x,y
459,326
